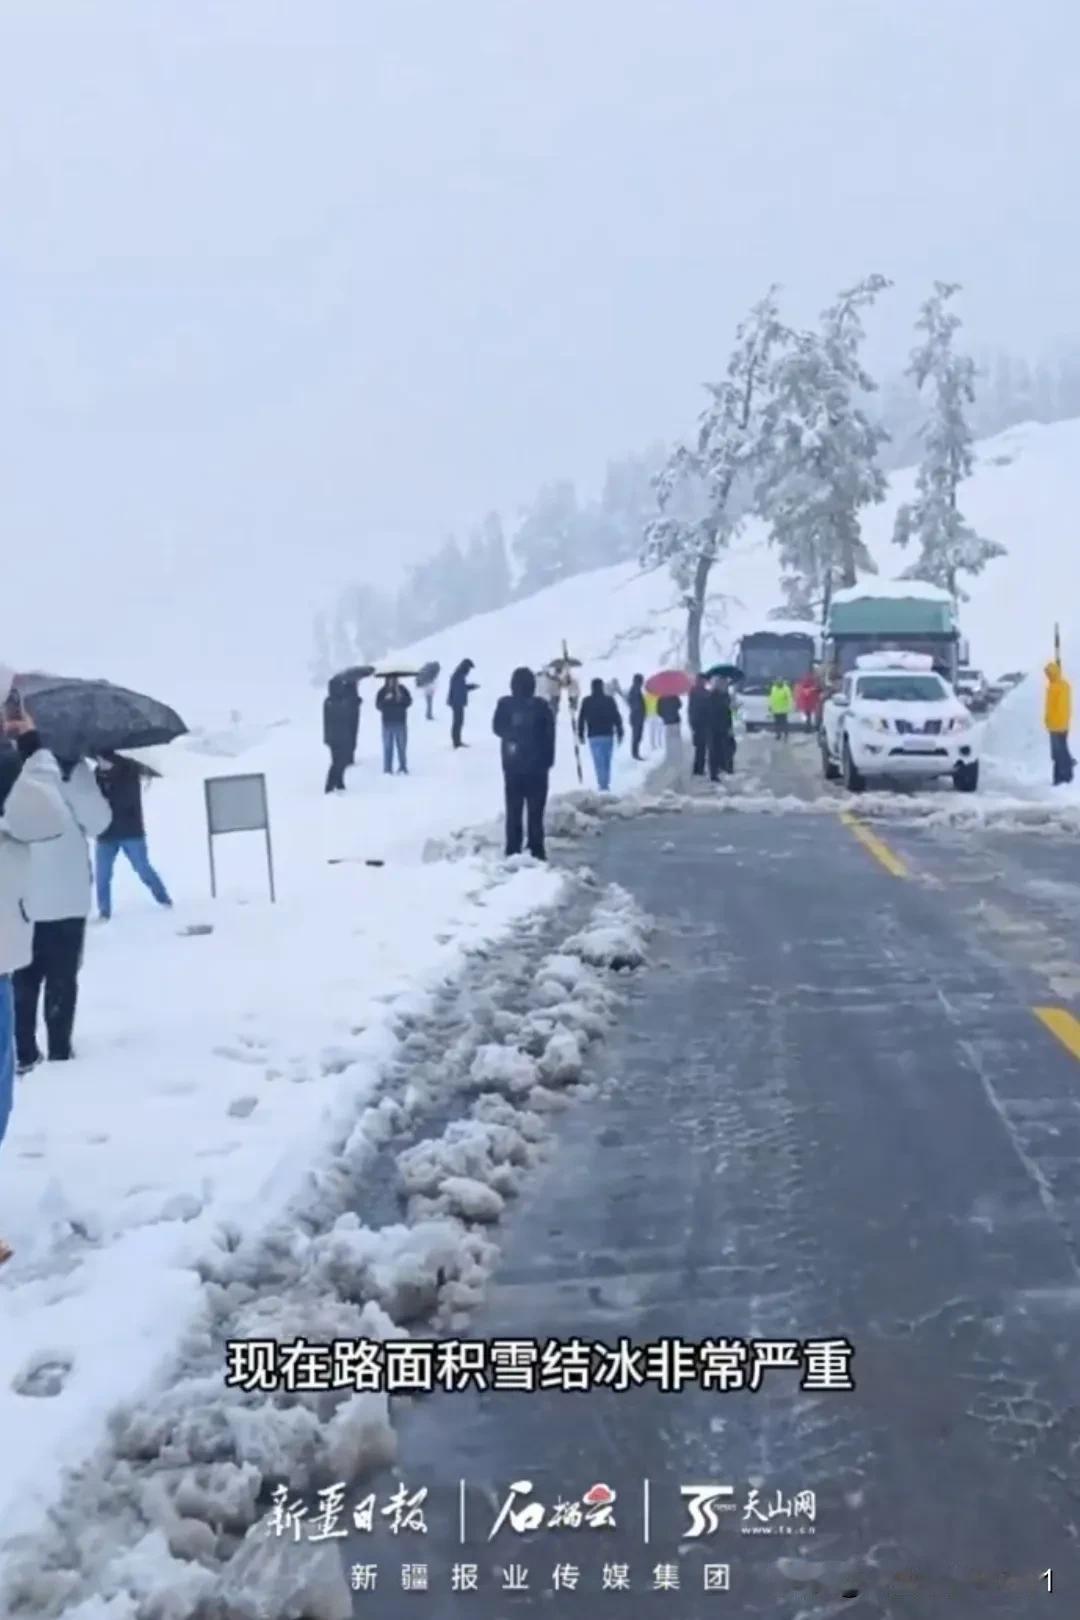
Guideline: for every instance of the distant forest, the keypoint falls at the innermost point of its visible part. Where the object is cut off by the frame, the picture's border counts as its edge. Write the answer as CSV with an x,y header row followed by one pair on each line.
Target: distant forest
x,y
559,534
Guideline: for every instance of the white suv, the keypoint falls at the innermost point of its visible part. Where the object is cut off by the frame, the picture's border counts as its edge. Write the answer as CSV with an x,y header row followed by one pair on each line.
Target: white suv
x,y
895,716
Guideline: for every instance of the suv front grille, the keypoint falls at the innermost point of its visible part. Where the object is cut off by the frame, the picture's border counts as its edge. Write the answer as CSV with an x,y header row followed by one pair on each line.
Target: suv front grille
x,y
932,728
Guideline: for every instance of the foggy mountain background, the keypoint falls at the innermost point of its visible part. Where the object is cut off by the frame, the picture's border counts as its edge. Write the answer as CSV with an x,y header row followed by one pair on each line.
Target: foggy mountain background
x,y
291,294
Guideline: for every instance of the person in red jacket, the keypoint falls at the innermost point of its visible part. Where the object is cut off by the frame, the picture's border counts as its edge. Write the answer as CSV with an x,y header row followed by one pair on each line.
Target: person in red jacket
x,y
808,698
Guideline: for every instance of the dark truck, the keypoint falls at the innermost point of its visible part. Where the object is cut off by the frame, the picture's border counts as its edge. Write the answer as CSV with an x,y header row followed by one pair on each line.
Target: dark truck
x,y
861,622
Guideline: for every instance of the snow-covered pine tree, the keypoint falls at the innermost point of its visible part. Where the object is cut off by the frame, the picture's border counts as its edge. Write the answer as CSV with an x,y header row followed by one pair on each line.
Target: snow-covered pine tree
x,y
489,568
822,467
697,515
548,540
948,545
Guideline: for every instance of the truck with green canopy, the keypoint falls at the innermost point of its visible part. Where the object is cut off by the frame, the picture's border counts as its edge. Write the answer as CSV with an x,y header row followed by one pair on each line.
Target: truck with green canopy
x,y
892,615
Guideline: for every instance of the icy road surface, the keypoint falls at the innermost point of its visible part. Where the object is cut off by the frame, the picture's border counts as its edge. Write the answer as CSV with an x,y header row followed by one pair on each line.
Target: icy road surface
x,y
832,1110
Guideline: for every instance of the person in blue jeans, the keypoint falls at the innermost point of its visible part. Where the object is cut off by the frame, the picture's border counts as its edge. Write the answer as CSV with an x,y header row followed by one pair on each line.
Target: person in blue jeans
x,y
393,702
121,780
600,722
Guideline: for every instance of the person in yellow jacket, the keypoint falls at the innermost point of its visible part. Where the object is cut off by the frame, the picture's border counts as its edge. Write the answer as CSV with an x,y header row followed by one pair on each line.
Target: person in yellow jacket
x,y
781,703
1057,718
655,724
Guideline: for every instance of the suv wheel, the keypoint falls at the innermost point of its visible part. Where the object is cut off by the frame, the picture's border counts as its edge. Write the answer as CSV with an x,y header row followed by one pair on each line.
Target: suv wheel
x,y
853,779
966,776
829,769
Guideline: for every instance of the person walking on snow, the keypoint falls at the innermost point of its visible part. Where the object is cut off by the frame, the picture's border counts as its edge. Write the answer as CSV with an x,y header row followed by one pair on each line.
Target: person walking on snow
x,y
341,724
1057,718
525,725
121,781
635,703
781,703
550,690
393,702
696,705
457,697
60,883
599,720
31,810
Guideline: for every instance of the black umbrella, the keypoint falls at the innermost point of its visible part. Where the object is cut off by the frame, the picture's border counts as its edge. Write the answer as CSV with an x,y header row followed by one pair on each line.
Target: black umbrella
x,y
78,718
396,674
727,672
427,673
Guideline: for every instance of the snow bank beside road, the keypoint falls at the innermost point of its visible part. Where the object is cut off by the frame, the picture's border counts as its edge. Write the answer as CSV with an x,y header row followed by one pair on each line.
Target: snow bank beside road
x,y
219,1073
169,1521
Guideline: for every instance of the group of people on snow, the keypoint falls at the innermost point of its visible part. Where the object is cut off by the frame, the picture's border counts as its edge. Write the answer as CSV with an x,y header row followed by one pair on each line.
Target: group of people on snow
x,y
393,700
49,811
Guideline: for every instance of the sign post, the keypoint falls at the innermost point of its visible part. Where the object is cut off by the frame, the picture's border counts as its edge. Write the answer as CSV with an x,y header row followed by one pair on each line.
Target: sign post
x,y
237,804
571,696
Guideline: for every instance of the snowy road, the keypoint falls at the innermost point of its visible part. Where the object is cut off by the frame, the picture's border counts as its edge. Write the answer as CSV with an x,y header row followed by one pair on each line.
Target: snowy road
x,y
835,1112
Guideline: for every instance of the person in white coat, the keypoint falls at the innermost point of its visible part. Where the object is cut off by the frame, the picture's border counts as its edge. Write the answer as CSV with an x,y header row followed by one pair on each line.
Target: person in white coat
x,y
31,809
60,888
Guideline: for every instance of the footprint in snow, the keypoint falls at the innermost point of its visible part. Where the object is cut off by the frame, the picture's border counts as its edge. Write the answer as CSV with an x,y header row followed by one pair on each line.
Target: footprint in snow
x,y
242,1107
244,1052
44,1374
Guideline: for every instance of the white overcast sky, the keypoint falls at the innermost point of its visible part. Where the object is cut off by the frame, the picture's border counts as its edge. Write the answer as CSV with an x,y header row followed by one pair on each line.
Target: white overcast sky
x,y
314,281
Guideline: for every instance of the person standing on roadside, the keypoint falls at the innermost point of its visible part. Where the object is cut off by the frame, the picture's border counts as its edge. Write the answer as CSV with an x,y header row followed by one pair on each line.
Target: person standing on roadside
x,y
121,781
696,708
669,714
525,726
599,720
457,697
719,729
1057,717
31,810
635,703
393,702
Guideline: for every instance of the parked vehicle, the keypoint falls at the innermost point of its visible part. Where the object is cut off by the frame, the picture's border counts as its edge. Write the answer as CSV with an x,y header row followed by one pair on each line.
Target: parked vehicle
x,y
892,616
786,651
973,688
895,716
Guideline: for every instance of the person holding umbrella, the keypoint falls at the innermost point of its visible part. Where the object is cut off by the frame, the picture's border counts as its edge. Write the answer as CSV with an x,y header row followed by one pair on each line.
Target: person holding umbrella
x,y
59,904
31,810
121,782
696,705
393,703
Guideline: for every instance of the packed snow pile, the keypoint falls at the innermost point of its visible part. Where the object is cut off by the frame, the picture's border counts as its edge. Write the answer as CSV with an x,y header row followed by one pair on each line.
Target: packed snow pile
x,y
897,590
172,1516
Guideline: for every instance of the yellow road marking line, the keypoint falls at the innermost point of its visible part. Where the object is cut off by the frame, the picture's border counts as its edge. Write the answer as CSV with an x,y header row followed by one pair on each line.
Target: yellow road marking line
x,y
1062,1024
880,851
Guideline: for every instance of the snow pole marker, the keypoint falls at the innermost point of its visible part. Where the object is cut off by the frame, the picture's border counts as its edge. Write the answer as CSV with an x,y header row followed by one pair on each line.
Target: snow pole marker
x,y
1057,644
572,705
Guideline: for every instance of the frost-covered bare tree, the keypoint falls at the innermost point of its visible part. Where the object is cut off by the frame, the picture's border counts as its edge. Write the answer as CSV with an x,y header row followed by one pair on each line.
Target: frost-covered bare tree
x,y
948,545
822,467
697,516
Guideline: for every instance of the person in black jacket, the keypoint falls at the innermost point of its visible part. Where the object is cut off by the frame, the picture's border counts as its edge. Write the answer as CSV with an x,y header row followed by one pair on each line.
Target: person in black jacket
x,y
600,721
525,726
635,703
393,702
457,696
719,730
341,722
669,713
696,707
121,781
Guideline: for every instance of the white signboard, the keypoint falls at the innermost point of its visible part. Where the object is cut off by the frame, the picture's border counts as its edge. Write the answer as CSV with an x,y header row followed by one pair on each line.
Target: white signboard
x,y
237,804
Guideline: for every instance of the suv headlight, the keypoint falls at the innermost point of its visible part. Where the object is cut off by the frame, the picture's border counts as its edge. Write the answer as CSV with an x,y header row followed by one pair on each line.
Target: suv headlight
x,y
960,722
873,722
